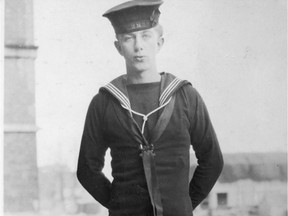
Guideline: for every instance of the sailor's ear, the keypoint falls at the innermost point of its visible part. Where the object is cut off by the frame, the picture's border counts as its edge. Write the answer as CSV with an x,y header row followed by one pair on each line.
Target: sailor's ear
x,y
160,43
118,47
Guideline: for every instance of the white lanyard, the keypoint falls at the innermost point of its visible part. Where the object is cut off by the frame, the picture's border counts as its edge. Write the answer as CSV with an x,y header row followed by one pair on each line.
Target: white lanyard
x,y
145,117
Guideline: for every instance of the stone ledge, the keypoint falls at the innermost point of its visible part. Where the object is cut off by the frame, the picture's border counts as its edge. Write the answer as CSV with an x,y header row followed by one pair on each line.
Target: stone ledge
x,y
20,128
20,51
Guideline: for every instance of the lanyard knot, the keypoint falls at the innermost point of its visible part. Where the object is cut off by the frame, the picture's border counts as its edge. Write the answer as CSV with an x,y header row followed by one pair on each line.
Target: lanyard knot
x,y
146,148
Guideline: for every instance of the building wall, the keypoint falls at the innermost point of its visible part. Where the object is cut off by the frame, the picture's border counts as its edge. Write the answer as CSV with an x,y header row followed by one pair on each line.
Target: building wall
x,y
20,177
247,197
19,22
19,91
20,167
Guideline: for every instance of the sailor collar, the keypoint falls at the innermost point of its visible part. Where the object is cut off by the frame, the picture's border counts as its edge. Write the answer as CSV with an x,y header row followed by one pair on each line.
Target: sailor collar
x,y
169,84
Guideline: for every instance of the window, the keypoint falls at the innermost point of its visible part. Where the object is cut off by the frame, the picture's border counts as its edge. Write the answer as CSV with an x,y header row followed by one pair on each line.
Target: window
x,y
205,203
222,199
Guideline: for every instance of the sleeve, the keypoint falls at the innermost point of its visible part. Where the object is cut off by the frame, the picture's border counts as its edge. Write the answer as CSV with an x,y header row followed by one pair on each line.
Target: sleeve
x,y
206,148
92,153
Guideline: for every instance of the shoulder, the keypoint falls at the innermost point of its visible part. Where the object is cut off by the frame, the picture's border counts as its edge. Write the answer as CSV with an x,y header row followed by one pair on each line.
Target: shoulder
x,y
99,101
99,98
191,96
188,90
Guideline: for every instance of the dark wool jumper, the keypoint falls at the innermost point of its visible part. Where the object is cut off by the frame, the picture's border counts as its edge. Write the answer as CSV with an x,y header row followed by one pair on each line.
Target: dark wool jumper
x,y
110,124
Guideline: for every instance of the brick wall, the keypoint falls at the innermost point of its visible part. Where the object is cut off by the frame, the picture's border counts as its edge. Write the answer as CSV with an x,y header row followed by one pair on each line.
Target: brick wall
x,y
20,178
20,165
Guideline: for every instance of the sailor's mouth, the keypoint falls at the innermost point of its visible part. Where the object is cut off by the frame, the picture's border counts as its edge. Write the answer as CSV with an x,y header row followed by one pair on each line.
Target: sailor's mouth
x,y
139,58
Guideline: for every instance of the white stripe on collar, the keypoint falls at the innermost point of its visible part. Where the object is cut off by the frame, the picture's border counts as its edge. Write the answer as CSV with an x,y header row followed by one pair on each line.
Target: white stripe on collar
x,y
119,95
168,90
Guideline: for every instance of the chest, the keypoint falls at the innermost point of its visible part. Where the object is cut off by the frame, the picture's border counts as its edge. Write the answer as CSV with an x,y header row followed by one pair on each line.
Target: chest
x,y
121,128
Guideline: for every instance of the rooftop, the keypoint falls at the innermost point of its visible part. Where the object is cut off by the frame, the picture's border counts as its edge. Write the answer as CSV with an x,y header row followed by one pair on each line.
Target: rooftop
x,y
254,166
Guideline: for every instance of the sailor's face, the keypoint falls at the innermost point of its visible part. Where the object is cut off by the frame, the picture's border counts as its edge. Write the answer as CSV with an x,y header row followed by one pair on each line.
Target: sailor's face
x,y
139,48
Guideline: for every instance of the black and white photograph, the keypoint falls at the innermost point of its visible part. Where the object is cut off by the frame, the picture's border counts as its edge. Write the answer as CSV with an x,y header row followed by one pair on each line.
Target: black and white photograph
x,y
144,108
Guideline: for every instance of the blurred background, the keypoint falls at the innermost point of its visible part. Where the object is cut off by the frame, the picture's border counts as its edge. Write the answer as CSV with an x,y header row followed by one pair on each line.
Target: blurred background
x,y
58,54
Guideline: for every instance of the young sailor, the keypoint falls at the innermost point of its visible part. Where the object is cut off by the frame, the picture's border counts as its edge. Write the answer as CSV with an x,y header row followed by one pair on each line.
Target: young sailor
x,y
149,120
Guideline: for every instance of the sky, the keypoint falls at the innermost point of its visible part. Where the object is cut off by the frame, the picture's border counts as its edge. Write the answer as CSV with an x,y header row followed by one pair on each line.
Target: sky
x,y
233,53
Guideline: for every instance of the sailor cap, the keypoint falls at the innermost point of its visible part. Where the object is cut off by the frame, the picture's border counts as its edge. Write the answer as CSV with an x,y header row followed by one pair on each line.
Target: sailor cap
x,y
134,15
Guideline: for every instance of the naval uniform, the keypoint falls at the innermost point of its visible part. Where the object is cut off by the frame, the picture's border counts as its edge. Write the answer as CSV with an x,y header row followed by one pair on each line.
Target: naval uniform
x,y
150,161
